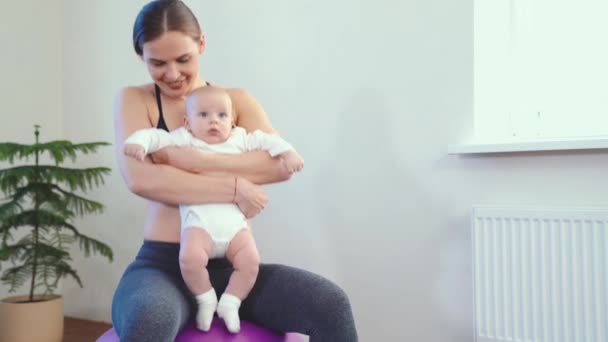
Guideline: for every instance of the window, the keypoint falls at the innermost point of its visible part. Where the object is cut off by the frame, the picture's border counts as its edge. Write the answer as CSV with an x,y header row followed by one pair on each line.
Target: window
x,y
541,69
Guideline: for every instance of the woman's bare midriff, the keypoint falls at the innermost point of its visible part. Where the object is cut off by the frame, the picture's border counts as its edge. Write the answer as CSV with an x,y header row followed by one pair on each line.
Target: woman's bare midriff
x,y
162,223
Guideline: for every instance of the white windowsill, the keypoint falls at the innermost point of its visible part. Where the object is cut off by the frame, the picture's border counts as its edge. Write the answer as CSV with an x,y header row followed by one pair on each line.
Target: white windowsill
x,y
562,144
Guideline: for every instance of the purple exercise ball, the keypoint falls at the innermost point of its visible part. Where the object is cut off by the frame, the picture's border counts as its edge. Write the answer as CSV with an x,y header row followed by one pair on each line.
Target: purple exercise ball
x,y
250,332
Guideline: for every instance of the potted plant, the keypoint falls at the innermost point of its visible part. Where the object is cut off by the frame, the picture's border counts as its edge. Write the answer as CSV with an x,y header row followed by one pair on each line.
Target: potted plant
x,y
37,232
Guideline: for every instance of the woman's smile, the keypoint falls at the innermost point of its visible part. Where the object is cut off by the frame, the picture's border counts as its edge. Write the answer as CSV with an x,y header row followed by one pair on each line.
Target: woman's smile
x,y
175,85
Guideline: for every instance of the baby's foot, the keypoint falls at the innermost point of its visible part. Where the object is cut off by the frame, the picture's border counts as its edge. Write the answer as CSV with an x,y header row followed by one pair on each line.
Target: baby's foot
x,y
207,304
228,310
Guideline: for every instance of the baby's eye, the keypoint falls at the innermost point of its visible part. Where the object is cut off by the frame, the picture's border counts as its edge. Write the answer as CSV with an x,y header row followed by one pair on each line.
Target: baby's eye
x,y
223,115
203,114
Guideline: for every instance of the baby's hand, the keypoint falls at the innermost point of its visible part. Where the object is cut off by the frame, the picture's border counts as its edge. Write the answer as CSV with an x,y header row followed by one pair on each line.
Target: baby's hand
x,y
292,161
135,151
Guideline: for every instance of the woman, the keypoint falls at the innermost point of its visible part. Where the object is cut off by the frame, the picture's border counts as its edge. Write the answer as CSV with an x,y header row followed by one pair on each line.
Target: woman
x,y
151,302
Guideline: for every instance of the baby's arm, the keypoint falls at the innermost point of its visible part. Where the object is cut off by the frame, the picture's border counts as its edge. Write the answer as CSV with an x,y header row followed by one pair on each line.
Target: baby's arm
x,y
275,146
149,140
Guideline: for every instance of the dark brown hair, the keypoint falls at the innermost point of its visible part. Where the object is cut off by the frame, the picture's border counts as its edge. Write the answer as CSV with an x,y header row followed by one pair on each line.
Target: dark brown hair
x,y
160,16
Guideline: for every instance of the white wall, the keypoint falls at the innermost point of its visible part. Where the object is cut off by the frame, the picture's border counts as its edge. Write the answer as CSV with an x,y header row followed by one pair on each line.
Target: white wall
x,y
371,94
31,70
30,90
98,61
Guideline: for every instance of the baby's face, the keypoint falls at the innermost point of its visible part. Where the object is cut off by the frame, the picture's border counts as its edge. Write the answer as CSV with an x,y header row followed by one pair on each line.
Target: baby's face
x,y
209,117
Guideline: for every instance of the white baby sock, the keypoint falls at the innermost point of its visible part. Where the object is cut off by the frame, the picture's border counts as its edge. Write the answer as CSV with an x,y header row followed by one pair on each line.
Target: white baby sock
x,y
207,304
228,310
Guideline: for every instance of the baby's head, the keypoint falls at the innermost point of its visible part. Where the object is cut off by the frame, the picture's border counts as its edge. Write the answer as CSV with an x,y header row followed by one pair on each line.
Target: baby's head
x,y
209,114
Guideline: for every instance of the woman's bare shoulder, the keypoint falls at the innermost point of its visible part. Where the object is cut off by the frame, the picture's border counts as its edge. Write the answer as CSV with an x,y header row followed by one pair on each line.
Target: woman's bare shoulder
x,y
248,112
237,94
132,108
138,98
233,92
241,98
134,92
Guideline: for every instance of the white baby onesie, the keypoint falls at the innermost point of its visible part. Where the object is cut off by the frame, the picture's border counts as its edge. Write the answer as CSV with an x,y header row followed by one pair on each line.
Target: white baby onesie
x,y
221,220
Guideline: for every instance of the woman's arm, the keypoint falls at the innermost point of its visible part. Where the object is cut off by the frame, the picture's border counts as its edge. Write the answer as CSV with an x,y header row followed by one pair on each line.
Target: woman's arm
x,y
161,183
258,167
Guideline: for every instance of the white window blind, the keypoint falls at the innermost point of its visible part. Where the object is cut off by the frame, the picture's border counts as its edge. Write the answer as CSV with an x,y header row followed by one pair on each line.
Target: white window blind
x,y
541,69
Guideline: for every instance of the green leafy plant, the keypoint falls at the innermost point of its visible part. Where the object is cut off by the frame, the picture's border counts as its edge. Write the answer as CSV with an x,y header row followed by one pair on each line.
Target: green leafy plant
x,y
40,204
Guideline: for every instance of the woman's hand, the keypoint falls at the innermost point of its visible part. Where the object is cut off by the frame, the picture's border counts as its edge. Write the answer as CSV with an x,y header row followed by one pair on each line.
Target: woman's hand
x,y
135,151
250,198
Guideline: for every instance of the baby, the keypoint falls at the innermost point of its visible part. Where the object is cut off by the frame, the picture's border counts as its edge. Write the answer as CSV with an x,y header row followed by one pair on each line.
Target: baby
x,y
218,229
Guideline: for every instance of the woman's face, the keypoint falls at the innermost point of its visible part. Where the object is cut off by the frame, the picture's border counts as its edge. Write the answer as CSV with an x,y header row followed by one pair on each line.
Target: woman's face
x,y
172,61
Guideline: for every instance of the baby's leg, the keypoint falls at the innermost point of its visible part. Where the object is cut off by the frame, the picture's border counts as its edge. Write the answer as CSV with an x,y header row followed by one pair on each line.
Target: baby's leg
x,y
243,254
195,247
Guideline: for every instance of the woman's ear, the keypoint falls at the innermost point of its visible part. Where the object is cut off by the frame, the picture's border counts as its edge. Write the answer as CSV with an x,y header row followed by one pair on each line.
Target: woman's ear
x,y
201,44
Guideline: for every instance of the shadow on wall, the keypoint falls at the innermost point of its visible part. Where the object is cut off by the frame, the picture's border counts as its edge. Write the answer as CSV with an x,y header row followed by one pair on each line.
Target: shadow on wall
x,y
395,253
361,185
368,203
454,282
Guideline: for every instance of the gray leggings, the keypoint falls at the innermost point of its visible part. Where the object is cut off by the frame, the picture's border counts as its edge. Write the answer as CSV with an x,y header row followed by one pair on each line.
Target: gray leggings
x,y
152,303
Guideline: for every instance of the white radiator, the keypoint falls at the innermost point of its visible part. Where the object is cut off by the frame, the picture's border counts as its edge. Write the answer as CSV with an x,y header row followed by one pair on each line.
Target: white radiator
x,y
540,275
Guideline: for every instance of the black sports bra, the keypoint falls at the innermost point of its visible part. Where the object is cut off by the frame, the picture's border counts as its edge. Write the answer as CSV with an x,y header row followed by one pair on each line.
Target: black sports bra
x,y
161,118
